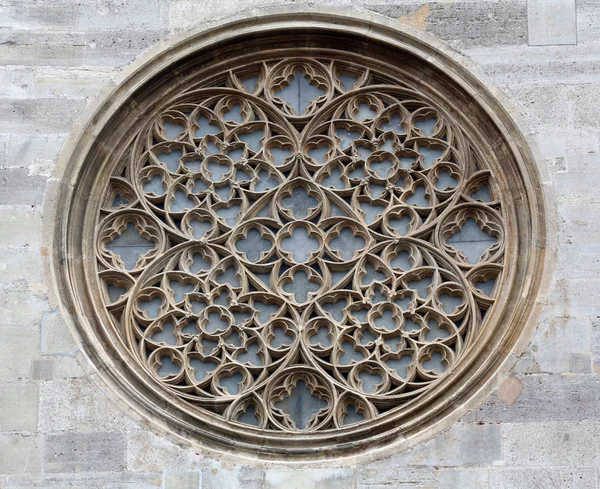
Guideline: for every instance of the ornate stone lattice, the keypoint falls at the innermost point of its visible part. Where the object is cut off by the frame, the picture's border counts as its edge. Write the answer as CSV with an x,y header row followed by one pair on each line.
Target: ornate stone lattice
x,y
300,244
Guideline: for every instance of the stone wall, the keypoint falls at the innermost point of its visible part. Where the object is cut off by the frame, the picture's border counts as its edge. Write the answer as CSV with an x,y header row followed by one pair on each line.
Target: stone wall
x,y
59,426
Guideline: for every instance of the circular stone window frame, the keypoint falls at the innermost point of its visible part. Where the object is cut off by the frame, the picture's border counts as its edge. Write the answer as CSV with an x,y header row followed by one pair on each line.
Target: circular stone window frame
x,y
462,389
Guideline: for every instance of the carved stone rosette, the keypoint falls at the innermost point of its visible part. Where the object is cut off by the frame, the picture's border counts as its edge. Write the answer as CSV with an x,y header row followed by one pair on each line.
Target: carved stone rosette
x,y
301,243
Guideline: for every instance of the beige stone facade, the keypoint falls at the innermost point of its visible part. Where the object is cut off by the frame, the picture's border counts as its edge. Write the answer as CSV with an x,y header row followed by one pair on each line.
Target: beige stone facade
x,y
533,420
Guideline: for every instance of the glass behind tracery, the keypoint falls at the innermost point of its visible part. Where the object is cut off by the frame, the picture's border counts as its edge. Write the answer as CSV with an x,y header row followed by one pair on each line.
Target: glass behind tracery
x,y
300,244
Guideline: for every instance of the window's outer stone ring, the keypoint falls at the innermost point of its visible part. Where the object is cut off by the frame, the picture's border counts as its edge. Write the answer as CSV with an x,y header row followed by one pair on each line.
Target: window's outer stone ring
x,y
69,235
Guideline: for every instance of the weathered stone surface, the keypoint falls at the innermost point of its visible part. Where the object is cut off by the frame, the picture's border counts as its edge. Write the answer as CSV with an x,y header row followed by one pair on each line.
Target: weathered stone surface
x,y
124,480
19,406
116,48
56,337
545,397
551,22
35,152
465,23
18,347
71,83
20,454
409,477
120,14
41,14
150,452
543,478
43,47
21,308
20,226
463,479
30,115
85,452
82,406
16,83
309,479
240,478
463,444
182,480
556,443
561,345
18,188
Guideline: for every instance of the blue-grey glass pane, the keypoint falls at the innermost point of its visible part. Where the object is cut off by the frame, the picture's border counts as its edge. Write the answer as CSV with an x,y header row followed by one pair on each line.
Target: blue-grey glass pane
x,y
301,405
205,128
299,93
435,363
300,244
167,335
173,130
471,240
130,245
300,203
429,155
168,367
254,245
427,125
251,356
171,160
300,286
400,365
421,286
231,384
369,381
202,369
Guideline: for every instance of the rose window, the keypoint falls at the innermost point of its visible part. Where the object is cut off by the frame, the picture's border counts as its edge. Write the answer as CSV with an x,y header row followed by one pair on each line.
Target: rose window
x,y
300,245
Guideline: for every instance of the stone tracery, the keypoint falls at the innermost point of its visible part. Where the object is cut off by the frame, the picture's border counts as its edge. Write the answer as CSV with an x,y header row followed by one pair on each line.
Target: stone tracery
x,y
300,244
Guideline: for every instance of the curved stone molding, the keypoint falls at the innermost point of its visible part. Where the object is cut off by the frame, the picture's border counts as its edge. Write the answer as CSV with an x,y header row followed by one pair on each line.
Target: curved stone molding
x,y
306,238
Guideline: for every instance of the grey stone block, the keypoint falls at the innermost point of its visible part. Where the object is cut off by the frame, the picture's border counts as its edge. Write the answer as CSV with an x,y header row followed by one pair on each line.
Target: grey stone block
x,y
408,477
17,263
545,397
78,405
588,23
21,226
561,345
44,47
150,452
18,348
309,479
463,479
577,223
56,337
31,150
16,83
238,478
21,308
41,14
19,406
18,188
120,14
543,478
466,24
462,444
106,480
20,454
182,480
71,82
551,443
41,114
551,22
547,65
85,452
116,48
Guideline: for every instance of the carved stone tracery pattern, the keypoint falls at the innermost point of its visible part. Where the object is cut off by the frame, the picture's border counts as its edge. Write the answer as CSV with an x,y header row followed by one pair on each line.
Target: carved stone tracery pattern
x,y
300,244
